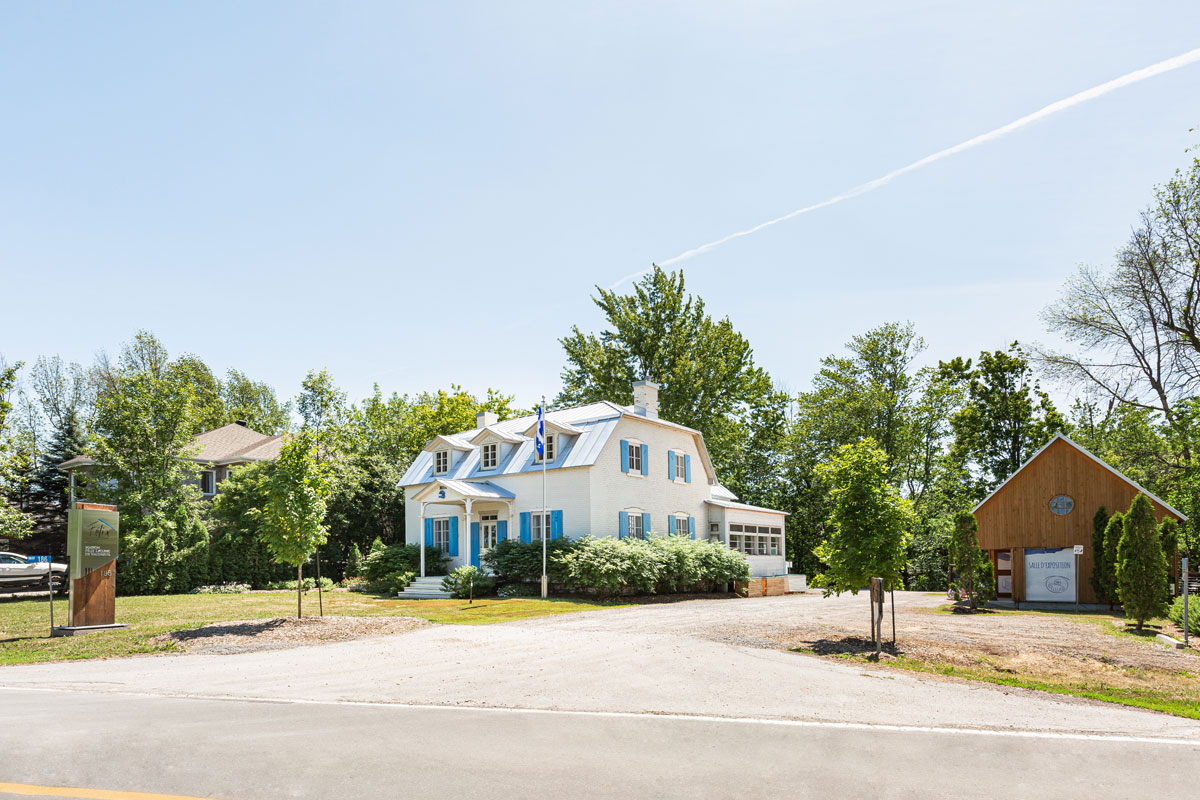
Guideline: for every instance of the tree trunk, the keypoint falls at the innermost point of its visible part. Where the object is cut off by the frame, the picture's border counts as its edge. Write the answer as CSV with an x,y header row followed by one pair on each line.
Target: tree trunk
x,y
320,600
299,585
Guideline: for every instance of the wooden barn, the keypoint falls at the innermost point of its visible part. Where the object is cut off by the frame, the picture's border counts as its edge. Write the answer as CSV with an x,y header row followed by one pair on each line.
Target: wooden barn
x,y
1032,522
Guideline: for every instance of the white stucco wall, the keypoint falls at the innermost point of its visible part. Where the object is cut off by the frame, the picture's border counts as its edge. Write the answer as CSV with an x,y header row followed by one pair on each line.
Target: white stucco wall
x,y
614,491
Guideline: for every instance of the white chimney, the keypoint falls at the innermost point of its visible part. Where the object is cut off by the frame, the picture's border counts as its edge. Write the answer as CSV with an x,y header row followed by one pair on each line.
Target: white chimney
x,y
645,399
485,418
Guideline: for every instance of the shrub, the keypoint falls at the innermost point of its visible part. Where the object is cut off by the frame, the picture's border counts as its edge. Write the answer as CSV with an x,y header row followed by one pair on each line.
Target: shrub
x,y
222,588
518,562
309,583
612,566
697,566
354,561
1176,613
468,582
1141,568
390,583
392,559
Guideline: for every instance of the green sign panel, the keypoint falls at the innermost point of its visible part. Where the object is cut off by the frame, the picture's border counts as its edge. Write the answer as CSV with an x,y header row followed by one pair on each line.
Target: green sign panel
x,y
93,539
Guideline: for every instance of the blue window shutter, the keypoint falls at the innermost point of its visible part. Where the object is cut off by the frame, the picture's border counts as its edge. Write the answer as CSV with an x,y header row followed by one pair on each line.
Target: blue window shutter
x,y
692,527
624,456
454,536
502,531
645,459
428,532
670,524
556,531
687,467
622,524
475,544
645,523
525,527
670,465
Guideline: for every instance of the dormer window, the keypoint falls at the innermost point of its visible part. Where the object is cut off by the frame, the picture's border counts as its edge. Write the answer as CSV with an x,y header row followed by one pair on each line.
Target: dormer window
x,y
441,462
550,437
489,456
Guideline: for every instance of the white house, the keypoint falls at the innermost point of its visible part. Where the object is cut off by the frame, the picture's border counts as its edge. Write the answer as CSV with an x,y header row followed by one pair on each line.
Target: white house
x,y
611,470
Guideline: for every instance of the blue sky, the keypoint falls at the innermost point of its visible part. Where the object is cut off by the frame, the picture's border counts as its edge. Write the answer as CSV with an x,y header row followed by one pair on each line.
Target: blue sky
x,y
423,194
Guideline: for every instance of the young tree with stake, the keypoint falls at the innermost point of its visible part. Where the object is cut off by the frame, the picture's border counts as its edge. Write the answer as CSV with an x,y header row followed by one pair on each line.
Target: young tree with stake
x,y
869,522
295,512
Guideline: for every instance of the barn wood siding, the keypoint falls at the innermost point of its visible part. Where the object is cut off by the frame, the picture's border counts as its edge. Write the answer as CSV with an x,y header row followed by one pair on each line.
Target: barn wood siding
x,y
1019,516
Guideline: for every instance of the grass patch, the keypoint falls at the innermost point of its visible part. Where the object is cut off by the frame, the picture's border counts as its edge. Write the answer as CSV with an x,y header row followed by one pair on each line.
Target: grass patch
x,y
25,623
1171,692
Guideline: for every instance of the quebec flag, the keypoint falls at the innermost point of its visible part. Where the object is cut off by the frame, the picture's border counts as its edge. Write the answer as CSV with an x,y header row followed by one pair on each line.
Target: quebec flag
x,y
541,430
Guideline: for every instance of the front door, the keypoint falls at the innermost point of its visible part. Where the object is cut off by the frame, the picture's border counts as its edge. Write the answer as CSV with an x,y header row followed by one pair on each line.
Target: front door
x,y
488,528
1003,573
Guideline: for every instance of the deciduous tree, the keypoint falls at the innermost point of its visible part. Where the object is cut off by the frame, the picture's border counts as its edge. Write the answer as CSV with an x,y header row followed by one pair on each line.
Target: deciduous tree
x,y
294,517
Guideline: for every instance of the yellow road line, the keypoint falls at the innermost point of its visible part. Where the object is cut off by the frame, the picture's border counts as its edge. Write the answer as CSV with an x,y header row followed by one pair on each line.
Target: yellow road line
x,y
30,790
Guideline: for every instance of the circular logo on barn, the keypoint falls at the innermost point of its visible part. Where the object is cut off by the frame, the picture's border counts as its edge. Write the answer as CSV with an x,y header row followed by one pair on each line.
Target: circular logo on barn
x,y
1057,584
1062,505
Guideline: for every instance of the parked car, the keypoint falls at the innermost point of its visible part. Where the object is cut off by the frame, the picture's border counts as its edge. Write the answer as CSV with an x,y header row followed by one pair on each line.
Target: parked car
x,y
18,570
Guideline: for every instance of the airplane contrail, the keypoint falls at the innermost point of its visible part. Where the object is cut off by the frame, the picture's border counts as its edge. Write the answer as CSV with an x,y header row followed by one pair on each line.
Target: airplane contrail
x,y
1190,57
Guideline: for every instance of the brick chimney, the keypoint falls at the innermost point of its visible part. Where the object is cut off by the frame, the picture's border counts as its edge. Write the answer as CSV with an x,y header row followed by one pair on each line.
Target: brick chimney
x,y
645,399
485,418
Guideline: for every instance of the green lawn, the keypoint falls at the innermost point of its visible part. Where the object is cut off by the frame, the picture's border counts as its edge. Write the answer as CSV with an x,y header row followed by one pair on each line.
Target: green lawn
x,y
25,624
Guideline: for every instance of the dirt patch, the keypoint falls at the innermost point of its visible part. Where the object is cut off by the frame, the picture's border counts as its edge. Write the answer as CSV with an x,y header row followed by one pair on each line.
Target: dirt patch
x,y
246,636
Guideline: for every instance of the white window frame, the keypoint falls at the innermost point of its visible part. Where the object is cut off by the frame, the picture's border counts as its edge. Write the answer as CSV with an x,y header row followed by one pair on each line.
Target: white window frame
x,y
489,531
211,475
632,516
441,533
681,525
635,450
680,467
493,449
537,521
440,456
537,459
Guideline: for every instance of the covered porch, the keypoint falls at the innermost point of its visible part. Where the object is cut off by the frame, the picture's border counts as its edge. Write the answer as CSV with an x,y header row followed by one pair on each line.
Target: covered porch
x,y
757,533
480,511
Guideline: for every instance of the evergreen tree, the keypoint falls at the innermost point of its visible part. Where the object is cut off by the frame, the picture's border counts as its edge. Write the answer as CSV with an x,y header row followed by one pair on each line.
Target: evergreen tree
x,y
972,567
1141,570
1112,539
68,439
1096,579
354,562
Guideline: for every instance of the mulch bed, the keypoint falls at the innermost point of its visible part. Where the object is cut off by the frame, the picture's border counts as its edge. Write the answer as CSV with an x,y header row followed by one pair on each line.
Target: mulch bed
x,y
246,636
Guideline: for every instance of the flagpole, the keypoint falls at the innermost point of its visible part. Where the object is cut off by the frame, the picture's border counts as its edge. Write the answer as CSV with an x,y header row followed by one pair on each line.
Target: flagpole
x,y
545,533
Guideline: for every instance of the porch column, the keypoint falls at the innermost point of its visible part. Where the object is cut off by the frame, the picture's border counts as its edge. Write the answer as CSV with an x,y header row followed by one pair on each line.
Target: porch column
x,y
421,536
510,520
465,533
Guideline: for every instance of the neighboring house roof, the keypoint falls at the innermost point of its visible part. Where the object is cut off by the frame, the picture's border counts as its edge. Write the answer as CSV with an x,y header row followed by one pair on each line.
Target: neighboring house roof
x,y
235,443
230,444
744,507
590,426
1093,457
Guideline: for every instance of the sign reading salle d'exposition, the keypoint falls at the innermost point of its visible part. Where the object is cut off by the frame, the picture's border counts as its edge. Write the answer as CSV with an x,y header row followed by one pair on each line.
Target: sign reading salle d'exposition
x,y
93,538
1050,574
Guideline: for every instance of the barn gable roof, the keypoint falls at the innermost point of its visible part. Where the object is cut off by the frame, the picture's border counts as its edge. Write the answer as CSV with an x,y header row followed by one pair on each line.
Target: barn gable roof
x,y
1093,457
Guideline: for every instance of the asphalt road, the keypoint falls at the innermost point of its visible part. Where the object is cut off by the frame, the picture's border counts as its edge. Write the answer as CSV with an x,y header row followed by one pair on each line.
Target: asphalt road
x,y
621,702
239,750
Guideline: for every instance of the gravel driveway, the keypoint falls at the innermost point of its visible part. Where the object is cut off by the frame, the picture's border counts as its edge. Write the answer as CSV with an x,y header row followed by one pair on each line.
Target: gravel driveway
x,y
706,657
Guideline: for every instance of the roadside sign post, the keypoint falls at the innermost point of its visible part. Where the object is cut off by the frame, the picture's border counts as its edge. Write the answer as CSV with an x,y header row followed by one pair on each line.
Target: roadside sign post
x,y
49,584
1078,553
1186,591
